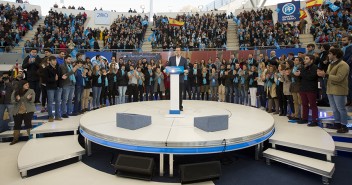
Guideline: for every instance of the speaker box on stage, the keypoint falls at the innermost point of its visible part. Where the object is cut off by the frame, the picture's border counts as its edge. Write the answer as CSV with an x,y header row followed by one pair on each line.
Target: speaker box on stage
x,y
132,121
198,172
212,123
134,167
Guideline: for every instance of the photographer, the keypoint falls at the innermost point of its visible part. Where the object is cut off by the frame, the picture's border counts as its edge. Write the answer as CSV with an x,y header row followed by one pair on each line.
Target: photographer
x,y
6,89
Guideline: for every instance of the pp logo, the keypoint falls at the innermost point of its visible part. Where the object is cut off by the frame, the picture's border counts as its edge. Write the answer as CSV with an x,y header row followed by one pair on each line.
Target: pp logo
x,y
288,9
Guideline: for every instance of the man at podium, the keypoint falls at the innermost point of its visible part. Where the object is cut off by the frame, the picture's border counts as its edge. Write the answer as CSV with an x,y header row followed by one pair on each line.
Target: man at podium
x,y
178,60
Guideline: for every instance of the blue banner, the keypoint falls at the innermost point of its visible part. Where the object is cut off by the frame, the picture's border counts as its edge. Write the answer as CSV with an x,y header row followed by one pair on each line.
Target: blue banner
x,y
280,52
288,12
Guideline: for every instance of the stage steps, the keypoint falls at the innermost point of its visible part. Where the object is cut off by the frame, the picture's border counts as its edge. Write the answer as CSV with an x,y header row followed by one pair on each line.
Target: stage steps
x,y
66,125
323,168
40,152
342,146
319,142
9,134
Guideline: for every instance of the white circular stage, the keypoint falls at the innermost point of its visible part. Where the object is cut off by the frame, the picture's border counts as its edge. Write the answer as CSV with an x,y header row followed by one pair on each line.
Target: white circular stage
x,y
247,127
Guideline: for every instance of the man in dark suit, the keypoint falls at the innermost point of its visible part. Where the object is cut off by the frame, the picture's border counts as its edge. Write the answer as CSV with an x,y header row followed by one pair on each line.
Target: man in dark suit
x,y
178,60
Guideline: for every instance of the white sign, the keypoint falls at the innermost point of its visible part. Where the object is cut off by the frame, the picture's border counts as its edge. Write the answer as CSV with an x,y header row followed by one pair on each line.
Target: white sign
x,y
102,18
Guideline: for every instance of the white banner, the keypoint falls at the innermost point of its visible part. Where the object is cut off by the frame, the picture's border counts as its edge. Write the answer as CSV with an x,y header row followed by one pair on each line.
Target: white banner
x,y
102,18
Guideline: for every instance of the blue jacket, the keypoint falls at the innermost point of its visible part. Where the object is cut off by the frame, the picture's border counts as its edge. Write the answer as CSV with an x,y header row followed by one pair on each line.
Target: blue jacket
x,y
79,78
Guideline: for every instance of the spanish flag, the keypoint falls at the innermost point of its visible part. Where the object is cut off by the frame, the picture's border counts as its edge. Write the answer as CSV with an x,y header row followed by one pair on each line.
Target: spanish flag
x,y
312,3
302,14
174,22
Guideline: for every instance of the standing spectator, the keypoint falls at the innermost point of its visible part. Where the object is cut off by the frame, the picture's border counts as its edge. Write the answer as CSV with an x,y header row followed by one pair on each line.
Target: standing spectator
x,y
97,83
347,57
149,83
140,83
260,82
271,89
6,89
54,88
159,85
308,90
68,85
79,86
204,88
133,84
122,80
104,88
337,88
112,81
243,84
228,84
213,84
253,85
221,79
32,64
295,88
87,75
195,79
24,108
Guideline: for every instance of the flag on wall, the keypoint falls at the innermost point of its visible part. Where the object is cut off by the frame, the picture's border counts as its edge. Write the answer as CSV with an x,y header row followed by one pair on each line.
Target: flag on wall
x,y
174,22
302,14
312,3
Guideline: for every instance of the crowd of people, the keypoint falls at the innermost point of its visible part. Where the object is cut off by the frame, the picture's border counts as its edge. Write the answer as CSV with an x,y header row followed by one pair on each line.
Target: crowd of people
x,y
126,33
198,32
328,25
256,30
287,86
60,32
14,23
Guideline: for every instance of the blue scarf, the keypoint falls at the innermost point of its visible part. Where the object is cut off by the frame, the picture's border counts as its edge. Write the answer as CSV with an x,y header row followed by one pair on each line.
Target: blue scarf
x,y
295,68
235,80
277,80
204,78
99,79
83,81
72,77
242,78
106,81
140,81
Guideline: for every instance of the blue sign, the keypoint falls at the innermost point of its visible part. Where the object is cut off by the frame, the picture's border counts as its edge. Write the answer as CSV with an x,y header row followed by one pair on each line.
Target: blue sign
x,y
280,52
174,69
288,12
92,54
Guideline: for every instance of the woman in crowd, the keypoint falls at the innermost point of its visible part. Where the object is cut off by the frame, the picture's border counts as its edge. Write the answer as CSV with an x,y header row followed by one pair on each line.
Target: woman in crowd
x,y
87,76
286,90
260,83
159,87
308,90
112,84
104,88
97,84
24,108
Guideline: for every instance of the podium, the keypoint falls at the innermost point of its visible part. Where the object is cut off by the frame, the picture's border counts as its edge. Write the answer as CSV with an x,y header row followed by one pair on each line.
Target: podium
x,y
174,72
